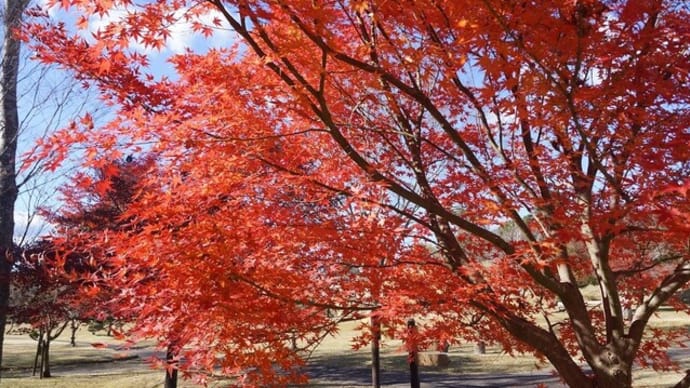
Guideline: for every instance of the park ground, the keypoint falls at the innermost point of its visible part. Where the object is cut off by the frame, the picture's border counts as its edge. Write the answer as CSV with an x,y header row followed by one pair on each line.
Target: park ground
x,y
333,364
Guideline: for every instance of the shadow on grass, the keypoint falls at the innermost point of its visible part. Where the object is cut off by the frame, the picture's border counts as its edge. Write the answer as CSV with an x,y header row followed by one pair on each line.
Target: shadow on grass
x,y
65,366
351,369
354,369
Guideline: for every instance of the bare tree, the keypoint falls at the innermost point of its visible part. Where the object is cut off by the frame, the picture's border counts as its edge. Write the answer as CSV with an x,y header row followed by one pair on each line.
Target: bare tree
x,y
36,99
47,99
9,129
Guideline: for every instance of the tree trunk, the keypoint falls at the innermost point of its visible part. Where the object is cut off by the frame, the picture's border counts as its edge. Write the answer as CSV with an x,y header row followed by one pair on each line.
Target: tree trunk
x,y
412,355
293,341
613,366
545,341
685,382
48,336
73,337
9,128
480,347
45,364
170,372
39,349
375,356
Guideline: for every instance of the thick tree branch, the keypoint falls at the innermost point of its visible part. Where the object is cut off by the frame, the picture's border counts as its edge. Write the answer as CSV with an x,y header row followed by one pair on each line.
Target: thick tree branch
x,y
669,286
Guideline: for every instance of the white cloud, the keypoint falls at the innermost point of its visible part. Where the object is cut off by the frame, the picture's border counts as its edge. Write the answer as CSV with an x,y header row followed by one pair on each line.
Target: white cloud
x,y
183,36
29,227
181,33
99,22
223,35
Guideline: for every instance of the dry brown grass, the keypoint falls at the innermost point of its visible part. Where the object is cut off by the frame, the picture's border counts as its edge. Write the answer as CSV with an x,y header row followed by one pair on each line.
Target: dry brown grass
x,y
19,352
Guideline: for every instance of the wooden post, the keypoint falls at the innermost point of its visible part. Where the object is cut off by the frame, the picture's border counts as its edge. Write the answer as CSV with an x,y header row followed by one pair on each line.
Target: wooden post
x,y
375,356
412,356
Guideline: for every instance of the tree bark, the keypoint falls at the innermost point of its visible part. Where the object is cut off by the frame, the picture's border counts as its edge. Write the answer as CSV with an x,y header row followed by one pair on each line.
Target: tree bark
x,y
39,346
412,355
480,347
73,337
375,356
50,335
9,128
45,364
170,374
685,382
543,340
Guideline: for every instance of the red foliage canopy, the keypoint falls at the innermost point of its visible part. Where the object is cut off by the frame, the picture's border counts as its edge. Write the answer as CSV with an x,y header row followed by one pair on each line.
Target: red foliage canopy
x,y
472,161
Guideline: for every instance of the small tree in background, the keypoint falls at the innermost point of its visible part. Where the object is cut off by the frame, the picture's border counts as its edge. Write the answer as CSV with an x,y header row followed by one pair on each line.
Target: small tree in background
x,y
45,297
58,282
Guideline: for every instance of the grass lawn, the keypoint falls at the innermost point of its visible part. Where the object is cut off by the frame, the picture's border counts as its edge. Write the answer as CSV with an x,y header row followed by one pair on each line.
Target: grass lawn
x,y
464,360
112,367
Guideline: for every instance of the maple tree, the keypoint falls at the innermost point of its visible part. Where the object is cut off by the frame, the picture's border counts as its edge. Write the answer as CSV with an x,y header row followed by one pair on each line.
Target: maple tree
x,y
313,160
45,297
9,130
182,290
92,206
56,282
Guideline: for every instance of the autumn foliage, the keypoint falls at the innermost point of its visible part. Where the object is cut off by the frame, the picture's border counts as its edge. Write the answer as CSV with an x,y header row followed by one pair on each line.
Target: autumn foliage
x,y
50,290
368,156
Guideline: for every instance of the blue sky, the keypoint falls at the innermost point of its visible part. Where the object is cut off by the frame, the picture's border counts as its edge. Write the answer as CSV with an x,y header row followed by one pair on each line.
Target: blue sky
x,y
50,98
